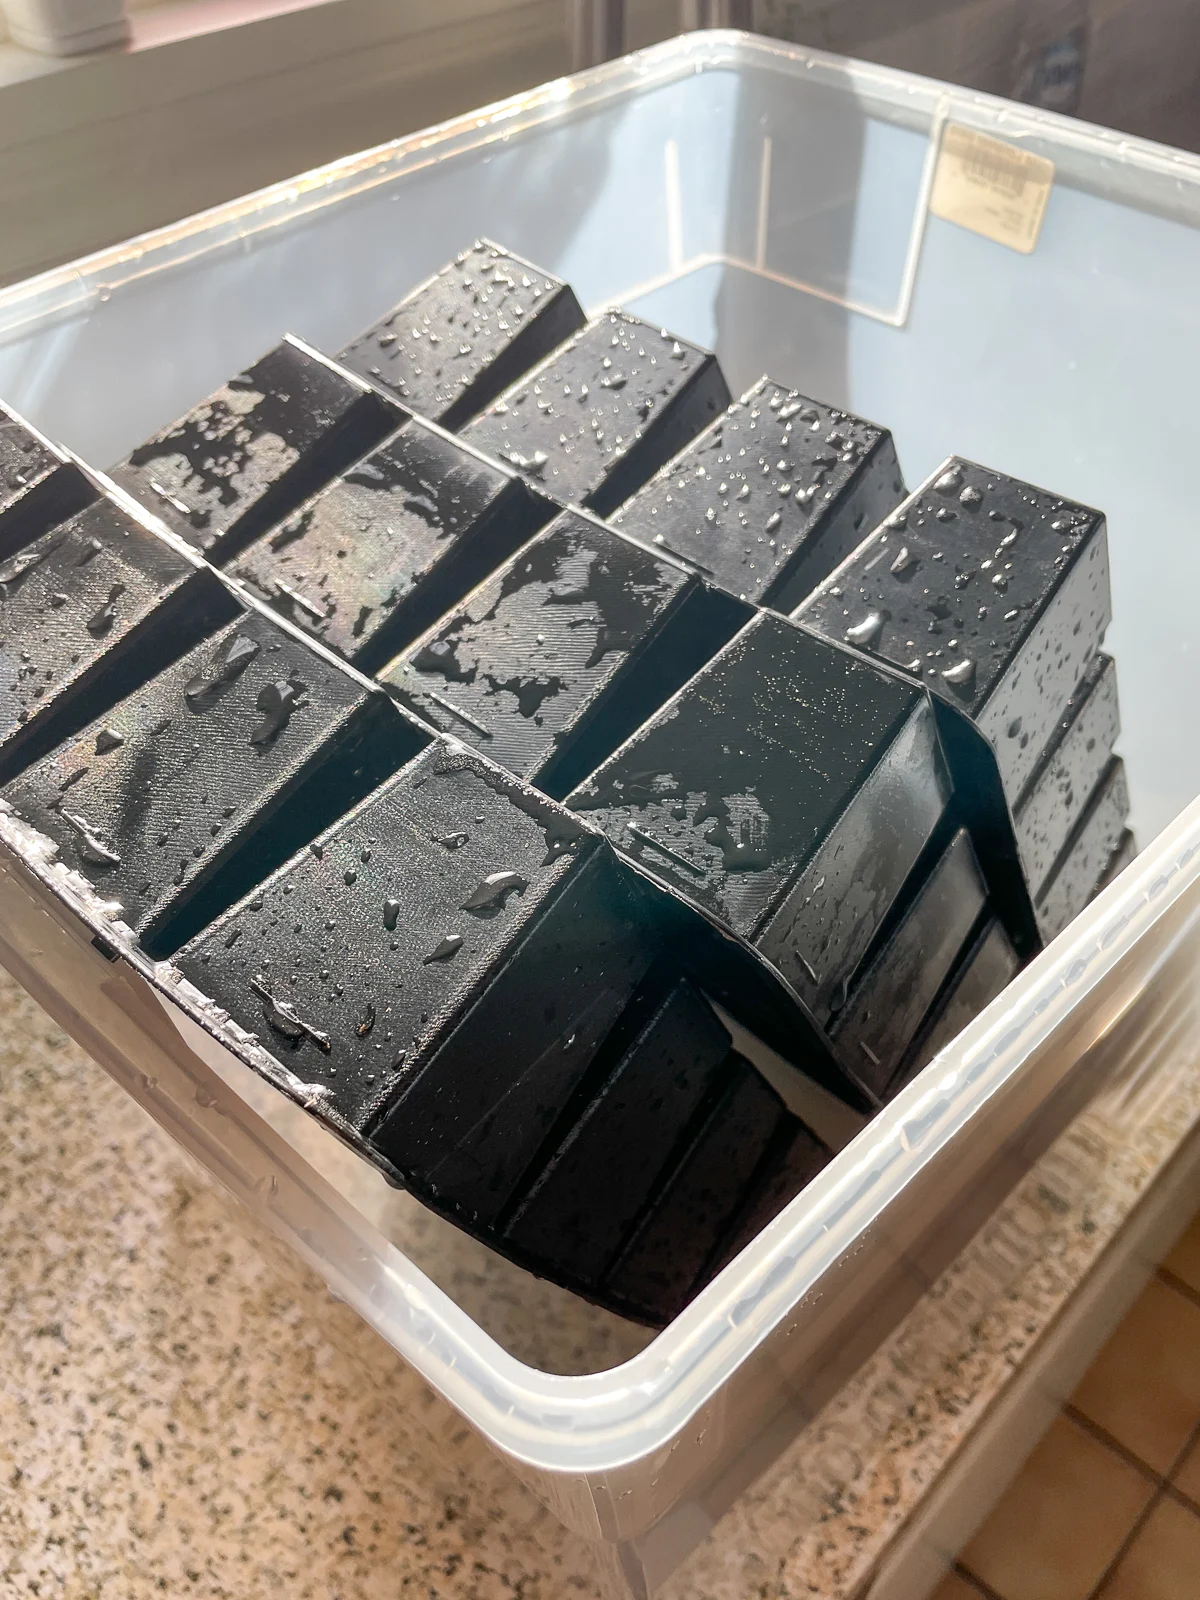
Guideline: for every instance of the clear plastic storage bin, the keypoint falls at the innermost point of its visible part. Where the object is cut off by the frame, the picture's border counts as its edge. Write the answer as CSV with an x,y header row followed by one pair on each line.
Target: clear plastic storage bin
x,y
774,204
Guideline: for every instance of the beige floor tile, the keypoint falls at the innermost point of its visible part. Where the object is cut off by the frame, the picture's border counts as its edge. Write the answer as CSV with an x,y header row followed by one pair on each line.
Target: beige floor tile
x,y
1184,1260
1163,1563
1144,1386
1061,1522
953,1588
1187,1479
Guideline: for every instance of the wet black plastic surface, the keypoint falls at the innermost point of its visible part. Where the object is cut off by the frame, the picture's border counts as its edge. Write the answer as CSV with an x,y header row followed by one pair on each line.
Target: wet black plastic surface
x,y
564,651
461,338
384,550
993,592
255,450
460,946
892,997
792,1161
771,497
87,612
700,1203
39,488
596,1183
1058,791
730,792
597,420
211,775
1097,838
988,965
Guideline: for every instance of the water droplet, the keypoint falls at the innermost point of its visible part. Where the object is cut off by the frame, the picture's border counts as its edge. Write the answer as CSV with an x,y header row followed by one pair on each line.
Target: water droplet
x,y
108,739
449,946
950,480
364,1026
228,663
970,496
277,701
494,889
350,877
961,675
21,565
866,632
454,841
904,560
773,521
535,464
102,620
284,1019
391,914
91,847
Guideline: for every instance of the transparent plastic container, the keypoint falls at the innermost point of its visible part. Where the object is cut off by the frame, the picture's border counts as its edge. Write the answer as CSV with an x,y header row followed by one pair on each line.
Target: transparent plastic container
x,y
772,203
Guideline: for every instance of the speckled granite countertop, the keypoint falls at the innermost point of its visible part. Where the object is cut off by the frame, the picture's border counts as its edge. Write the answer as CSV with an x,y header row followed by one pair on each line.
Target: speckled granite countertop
x,y
172,1420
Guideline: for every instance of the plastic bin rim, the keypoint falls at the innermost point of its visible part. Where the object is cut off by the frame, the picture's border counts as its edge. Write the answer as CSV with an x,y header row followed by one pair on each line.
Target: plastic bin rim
x,y
902,97
601,1422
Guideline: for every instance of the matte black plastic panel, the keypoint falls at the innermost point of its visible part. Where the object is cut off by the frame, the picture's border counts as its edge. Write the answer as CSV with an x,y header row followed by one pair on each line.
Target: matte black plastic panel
x,y
383,551
891,999
795,1159
595,1185
1058,791
1083,865
700,1203
255,450
771,496
988,966
597,420
462,337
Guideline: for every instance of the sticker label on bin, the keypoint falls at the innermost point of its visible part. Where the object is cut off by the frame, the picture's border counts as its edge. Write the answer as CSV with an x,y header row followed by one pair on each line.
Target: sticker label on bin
x,y
993,188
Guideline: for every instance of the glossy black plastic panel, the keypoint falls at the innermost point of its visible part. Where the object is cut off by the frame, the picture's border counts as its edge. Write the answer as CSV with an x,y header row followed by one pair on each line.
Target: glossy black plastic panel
x,y
255,450
456,342
993,592
443,965
212,774
764,767
87,613
39,486
771,496
386,549
564,651
987,966
600,416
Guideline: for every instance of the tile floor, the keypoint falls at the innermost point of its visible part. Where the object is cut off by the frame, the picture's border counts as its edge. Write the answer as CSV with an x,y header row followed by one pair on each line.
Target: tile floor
x,y
1108,1505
